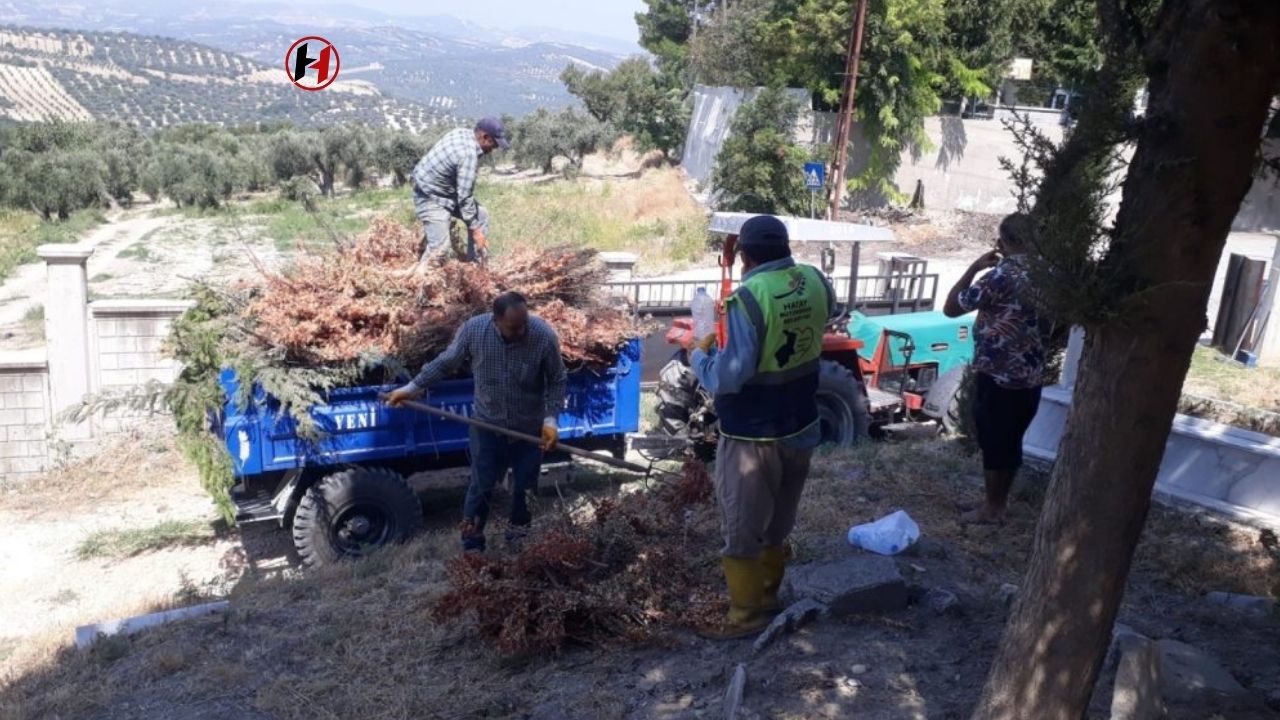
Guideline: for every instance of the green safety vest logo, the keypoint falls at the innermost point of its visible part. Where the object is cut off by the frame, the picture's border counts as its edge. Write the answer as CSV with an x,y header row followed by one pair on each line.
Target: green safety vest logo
x,y
796,282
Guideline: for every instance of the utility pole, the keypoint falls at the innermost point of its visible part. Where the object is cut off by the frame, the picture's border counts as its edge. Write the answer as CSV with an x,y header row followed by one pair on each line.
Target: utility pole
x,y
845,127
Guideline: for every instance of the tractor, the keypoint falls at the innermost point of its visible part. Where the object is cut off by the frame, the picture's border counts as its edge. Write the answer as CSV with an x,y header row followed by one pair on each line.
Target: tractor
x,y
881,369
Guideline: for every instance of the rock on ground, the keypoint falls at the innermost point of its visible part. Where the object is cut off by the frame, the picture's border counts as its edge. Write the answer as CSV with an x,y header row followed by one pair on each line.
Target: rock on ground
x,y
790,620
943,602
1189,674
1137,688
1248,604
733,695
852,585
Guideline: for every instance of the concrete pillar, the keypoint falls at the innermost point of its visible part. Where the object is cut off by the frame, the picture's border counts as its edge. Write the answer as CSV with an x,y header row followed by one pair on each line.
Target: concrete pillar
x,y
1071,363
621,265
66,323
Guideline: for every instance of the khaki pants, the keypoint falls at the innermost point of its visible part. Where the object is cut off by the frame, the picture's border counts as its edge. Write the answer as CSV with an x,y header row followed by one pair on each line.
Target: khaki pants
x,y
437,223
758,485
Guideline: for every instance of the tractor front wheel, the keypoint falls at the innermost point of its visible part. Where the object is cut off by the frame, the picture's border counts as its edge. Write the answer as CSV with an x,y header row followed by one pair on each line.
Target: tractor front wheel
x,y
843,411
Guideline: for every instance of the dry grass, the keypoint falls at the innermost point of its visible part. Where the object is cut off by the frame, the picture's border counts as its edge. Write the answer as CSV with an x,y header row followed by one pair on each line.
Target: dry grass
x,y
1213,375
1191,553
144,456
928,479
339,641
652,216
333,642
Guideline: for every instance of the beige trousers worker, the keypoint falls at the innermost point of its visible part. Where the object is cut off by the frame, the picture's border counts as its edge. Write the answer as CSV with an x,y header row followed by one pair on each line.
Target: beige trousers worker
x,y
758,485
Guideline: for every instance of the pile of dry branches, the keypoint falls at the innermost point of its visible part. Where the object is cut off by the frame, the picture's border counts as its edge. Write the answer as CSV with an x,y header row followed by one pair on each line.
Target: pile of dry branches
x,y
626,570
365,299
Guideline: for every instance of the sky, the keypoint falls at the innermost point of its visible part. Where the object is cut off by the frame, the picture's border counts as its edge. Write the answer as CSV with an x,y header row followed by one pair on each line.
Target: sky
x,y
612,18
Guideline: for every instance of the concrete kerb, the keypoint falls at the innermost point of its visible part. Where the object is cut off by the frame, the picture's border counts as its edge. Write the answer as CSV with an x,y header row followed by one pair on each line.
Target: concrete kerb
x,y
87,635
1218,467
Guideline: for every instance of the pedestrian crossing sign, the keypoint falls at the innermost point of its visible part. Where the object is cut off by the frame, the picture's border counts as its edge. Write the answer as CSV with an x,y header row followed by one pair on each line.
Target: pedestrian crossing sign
x,y
815,176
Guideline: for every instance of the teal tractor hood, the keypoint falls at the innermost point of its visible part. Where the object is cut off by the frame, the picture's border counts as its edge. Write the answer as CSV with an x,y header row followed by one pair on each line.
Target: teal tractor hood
x,y
937,338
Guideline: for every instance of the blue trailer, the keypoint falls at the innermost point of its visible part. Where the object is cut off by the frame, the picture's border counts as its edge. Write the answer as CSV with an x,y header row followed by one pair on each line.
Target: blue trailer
x,y
346,491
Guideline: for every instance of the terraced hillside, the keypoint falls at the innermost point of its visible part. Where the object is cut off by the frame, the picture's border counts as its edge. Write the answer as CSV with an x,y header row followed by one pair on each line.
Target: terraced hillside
x,y
451,66
155,82
453,75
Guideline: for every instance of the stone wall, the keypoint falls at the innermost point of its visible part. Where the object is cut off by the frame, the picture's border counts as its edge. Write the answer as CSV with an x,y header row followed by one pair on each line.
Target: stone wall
x,y
105,346
24,415
127,338
127,351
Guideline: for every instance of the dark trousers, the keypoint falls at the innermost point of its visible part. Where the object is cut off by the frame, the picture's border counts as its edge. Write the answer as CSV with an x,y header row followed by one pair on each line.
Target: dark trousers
x,y
491,456
1001,417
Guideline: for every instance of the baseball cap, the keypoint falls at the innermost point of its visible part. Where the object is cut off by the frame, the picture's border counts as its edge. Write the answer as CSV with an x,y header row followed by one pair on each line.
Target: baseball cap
x,y
764,231
493,127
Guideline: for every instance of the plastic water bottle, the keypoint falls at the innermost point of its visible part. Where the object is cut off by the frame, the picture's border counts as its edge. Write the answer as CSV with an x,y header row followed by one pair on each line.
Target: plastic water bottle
x,y
704,314
889,535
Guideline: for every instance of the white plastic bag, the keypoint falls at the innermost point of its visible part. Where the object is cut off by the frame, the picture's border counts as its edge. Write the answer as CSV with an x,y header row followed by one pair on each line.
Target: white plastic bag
x,y
889,535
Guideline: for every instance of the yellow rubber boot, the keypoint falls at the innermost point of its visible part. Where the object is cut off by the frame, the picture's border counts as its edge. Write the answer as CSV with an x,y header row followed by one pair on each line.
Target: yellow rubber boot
x,y
745,579
773,559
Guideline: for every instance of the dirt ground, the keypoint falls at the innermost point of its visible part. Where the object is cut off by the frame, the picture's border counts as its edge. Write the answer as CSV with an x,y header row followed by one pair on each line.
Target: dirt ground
x,y
138,482
146,252
359,640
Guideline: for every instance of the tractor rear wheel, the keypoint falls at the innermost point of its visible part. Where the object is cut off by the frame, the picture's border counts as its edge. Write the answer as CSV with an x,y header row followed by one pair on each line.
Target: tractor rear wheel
x,y
677,396
843,411
684,408
346,514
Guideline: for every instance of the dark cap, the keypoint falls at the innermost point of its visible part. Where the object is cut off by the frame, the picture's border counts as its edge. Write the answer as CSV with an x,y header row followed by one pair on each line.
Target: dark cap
x,y
493,128
764,231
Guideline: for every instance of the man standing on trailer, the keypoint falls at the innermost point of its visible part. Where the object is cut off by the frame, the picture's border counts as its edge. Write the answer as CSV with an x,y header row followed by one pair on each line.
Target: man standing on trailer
x,y
765,383
444,184
1008,360
514,359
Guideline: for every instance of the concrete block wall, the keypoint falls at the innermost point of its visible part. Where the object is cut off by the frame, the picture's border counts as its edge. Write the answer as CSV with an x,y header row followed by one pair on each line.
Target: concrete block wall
x,y
24,415
127,339
127,351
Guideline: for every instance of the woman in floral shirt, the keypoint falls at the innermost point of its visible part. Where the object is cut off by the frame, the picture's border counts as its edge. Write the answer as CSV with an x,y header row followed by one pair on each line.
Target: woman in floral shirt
x,y
1008,360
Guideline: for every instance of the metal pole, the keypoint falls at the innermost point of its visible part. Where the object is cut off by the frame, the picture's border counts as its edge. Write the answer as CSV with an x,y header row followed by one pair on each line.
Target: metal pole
x,y
845,129
854,261
614,462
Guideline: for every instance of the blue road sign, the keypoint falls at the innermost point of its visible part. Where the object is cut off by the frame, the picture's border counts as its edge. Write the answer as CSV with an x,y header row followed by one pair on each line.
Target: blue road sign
x,y
815,176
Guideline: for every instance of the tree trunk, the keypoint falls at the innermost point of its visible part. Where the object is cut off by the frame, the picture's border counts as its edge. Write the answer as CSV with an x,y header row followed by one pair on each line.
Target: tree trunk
x,y
1213,67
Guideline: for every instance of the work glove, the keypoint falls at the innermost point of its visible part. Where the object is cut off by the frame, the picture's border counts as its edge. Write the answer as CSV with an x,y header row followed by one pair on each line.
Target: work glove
x,y
482,242
550,436
396,398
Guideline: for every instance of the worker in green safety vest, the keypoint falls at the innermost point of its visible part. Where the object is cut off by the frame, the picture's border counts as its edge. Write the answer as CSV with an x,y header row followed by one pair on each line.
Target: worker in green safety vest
x,y
765,383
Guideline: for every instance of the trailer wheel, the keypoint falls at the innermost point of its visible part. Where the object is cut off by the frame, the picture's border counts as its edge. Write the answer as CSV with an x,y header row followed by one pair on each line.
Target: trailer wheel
x,y
843,411
345,514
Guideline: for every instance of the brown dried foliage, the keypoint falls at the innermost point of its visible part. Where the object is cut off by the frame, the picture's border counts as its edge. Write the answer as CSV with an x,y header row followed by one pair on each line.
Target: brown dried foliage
x,y
635,566
361,300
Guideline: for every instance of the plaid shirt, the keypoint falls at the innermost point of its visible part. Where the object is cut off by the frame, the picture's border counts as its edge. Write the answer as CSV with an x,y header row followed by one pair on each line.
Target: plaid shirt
x,y
446,175
519,385
1010,339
